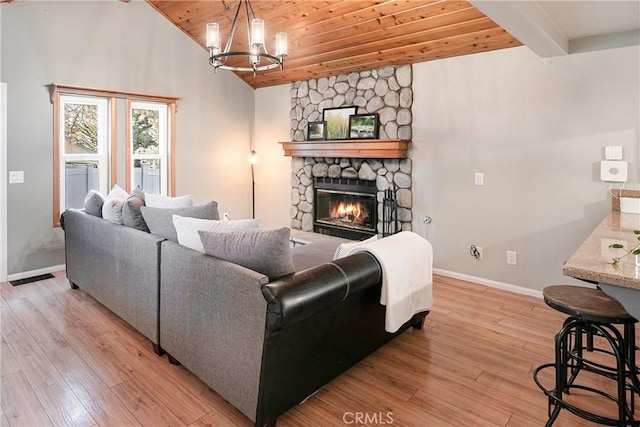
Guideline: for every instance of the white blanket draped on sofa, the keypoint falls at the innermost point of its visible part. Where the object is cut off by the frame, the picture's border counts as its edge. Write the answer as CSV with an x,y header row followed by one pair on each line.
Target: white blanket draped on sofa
x,y
407,275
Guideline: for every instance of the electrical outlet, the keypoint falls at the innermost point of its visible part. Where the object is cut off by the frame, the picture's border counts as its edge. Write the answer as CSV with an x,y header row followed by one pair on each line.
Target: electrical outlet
x,y
512,258
225,216
479,178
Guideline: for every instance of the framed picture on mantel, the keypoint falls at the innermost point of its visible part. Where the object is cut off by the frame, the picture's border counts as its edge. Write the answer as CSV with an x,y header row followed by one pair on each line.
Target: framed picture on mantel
x,y
363,126
338,121
317,131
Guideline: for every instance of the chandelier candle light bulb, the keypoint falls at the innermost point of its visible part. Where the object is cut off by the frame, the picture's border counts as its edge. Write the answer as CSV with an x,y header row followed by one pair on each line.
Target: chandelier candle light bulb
x,y
281,44
257,32
213,38
254,59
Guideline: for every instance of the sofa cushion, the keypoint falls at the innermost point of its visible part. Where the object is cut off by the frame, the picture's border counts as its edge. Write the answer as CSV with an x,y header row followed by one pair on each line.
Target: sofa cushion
x,y
131,214
160,221
93,203
187,228
313,254
112,207
265,251
161,201
344,247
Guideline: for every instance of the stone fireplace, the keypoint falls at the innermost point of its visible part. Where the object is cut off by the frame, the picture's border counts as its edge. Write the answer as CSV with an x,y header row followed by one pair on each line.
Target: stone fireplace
x,y
379,174
386,91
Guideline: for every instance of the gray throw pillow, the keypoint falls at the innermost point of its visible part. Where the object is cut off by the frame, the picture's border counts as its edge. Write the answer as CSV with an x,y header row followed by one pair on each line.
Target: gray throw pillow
x,y
265,251
131,214
93,203
160,220
313,254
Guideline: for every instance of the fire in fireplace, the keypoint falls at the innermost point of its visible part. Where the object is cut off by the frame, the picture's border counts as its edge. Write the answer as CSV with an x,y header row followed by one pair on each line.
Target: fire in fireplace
x,y
345,207
348,214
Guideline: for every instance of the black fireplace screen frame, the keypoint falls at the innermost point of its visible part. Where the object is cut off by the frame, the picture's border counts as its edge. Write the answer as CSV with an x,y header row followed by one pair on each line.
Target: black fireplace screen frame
x,y
347,198
347,187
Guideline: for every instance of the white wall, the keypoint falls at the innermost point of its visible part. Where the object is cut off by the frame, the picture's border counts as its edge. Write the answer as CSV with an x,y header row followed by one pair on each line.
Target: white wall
x,y
273,182
124,46
535,127
3,171
3,182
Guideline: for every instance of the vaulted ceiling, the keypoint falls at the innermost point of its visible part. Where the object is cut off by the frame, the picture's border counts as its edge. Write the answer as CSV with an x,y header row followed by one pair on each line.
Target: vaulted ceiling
x,y
340,36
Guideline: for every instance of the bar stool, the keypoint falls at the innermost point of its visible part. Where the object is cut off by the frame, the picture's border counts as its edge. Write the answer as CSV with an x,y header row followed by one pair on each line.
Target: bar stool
x,y
592,313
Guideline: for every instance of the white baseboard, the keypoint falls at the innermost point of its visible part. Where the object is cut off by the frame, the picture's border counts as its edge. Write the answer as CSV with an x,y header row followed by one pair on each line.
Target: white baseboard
x,y
488,282
38,272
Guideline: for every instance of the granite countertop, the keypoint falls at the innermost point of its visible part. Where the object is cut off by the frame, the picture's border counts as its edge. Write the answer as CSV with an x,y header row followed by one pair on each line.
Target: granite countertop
x,y
592,260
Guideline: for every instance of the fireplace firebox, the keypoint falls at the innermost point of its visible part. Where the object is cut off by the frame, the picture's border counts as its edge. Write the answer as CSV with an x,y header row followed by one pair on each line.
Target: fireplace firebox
x,y
345,207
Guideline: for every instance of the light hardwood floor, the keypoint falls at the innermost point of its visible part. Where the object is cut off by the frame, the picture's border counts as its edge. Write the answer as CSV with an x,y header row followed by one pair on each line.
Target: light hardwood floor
x,y
67,360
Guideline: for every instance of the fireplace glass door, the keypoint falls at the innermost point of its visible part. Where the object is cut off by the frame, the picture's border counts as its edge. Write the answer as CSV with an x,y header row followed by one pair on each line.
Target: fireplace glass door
x,y
346,209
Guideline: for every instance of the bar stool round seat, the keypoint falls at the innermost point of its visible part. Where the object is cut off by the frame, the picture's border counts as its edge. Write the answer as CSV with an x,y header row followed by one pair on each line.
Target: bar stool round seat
x,y
586,303
592,313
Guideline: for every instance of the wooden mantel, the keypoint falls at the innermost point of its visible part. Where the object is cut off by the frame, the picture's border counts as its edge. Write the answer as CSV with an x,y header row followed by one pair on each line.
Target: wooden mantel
x,y
350,148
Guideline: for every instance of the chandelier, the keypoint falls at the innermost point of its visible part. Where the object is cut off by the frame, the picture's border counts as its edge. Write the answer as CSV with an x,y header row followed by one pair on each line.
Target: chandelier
x,y
258,58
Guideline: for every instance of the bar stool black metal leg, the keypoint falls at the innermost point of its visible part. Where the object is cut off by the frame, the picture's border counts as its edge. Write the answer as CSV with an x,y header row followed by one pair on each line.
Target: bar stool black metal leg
x,y
592,314
553,415
630,358
577,329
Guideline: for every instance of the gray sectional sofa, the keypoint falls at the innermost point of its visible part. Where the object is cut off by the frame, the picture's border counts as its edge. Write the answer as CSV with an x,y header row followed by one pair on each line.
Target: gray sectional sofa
x,y
263,346
117,265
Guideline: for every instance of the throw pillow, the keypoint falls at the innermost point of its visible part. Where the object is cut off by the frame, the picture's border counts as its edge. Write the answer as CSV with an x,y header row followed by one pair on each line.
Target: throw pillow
x,y
313,254
187,229
93,203
138,193
161,201
160,221
342,250
265,251
131,214
112,207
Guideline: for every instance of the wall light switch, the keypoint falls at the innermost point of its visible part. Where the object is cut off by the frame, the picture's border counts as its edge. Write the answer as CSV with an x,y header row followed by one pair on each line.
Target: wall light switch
x,y
479,178
16,177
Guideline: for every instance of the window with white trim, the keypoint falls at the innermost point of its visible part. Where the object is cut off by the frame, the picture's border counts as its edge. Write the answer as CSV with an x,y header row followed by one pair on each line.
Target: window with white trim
x,y
84,148
148,146
85,139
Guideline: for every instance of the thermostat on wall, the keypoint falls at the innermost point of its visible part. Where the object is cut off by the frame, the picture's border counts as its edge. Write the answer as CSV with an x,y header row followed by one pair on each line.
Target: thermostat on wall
x,y
613,170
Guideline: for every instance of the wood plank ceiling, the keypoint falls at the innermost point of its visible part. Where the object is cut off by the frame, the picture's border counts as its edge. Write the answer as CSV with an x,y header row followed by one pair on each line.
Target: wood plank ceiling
x,y
341,36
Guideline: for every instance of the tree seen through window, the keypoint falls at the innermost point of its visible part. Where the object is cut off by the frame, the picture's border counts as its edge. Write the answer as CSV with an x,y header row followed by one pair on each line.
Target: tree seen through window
x,y
145,124
81,128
